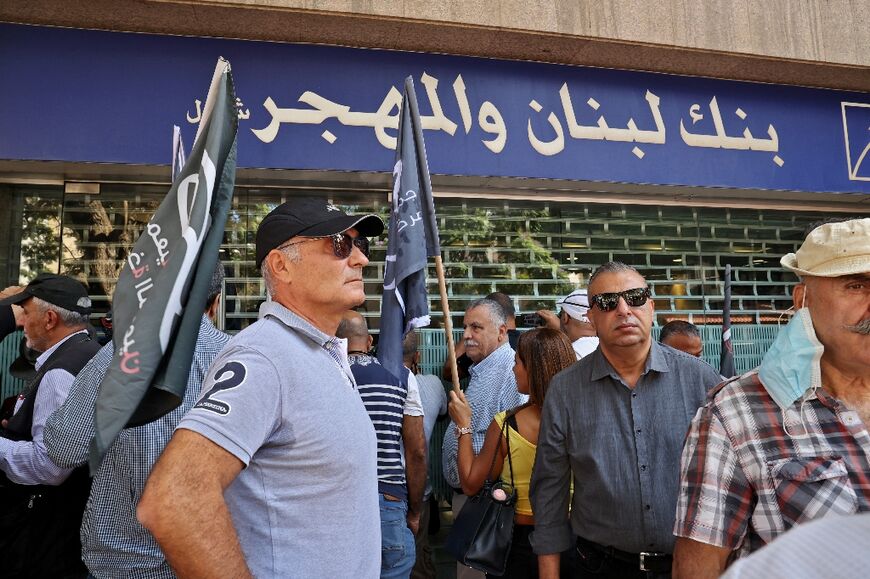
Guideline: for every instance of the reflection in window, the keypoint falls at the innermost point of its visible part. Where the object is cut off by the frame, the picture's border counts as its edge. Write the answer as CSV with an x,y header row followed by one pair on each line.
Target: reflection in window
x,y
534,251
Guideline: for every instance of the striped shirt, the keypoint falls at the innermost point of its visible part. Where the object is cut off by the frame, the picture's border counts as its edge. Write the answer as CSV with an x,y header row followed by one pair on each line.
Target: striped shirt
x,y
745,480
386,400
492,389
114,544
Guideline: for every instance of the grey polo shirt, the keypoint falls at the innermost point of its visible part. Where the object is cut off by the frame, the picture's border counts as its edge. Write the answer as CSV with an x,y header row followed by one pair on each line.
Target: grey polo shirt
x,y
306,505
622,447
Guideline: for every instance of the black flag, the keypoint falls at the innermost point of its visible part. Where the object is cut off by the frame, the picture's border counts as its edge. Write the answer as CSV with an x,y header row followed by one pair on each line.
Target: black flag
x,y
413,237
178,157
161,291
726,356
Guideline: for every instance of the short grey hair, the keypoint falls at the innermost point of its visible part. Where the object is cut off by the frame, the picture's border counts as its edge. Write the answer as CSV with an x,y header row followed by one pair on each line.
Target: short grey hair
x,y
68,317
611,267
496,312
291,252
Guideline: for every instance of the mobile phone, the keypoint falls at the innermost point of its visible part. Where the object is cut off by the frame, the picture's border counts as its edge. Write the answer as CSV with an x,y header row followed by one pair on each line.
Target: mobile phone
x,y
532,320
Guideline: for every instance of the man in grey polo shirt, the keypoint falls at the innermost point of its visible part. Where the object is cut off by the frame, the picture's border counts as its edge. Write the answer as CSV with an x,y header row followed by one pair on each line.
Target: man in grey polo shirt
x,y
273,472
615,422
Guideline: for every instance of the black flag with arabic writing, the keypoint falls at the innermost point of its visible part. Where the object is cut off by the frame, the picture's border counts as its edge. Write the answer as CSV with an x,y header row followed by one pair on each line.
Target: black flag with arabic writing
x,y
726,356
162,289
413,238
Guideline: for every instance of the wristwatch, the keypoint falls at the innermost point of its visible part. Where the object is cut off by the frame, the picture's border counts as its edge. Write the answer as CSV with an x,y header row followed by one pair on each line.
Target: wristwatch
x,y
460,430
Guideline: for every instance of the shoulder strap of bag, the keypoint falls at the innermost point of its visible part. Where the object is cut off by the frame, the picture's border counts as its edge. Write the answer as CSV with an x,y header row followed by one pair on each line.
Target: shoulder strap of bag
x,y
510,419
495,454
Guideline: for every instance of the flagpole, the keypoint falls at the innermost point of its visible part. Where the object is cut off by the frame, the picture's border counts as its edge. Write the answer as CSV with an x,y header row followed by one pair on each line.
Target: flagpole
x,y
448,323
435,251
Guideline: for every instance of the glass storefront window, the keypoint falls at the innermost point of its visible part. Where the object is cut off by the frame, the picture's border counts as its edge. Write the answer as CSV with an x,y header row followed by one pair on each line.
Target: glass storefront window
x,y
534,251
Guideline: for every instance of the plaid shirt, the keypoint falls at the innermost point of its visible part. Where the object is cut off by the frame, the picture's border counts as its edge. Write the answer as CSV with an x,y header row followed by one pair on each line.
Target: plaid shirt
x,y
744,480
114,544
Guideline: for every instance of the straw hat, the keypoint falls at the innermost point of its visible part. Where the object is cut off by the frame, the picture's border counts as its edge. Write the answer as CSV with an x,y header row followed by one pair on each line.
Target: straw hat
x,y
833,250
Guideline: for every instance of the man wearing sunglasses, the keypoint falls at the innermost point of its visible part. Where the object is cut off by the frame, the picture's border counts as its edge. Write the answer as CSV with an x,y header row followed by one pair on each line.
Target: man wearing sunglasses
x,y
273,473
614,422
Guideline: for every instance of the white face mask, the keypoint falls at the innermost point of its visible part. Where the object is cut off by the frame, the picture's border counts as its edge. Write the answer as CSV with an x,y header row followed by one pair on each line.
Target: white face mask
x,y
792,364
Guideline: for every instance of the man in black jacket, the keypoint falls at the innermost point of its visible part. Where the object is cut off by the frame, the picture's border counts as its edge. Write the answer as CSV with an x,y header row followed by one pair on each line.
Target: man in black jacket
x,y
41,504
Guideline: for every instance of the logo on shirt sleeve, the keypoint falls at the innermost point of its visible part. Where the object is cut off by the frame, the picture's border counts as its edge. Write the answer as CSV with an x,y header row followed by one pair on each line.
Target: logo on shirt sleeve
x,y
230,376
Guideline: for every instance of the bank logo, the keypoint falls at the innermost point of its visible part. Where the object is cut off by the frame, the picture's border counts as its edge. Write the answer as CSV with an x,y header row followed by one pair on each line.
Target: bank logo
x,y
856,131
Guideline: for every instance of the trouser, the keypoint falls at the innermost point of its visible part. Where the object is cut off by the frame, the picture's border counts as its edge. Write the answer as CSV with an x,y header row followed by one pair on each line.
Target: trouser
x,y
463,571
424,568
598,562
397,540
522,563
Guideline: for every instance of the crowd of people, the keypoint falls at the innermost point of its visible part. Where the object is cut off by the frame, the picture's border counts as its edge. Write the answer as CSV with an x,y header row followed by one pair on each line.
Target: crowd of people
x,y
296,454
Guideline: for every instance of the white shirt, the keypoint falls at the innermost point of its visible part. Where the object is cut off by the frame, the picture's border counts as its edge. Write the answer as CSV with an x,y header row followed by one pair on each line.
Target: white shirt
x,y
585,346
833,547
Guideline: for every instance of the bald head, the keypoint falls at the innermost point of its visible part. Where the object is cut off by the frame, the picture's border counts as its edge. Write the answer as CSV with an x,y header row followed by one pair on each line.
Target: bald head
x,y
354,329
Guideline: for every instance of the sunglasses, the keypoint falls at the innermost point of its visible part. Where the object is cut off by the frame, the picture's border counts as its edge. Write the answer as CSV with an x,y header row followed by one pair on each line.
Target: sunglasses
x,y
342,244
635,298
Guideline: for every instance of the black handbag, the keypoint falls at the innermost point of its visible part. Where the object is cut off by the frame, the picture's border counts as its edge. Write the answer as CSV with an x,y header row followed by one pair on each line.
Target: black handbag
x,y
482,532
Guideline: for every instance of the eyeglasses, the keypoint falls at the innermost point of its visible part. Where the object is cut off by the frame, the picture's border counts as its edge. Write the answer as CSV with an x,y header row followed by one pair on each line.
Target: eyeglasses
x,y
342,244
635,298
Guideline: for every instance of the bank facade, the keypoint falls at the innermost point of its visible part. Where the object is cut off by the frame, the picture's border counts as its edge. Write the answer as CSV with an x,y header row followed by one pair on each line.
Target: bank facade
x,y
544,165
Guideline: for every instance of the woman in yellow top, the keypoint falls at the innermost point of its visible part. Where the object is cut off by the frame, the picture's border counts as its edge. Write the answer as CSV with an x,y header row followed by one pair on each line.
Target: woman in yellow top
x,y
541,354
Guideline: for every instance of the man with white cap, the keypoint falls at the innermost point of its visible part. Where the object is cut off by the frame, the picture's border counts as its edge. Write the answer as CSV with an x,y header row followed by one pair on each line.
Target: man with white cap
x,y
572,321
787,442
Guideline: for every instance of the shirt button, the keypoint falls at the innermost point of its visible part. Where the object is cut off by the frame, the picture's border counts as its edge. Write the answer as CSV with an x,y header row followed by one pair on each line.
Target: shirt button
x,y
638,430
643,467
648,507
634,394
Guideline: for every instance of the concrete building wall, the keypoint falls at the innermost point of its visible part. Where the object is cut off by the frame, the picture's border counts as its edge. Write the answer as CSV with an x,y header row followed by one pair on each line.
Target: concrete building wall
x,y
822,43
831,31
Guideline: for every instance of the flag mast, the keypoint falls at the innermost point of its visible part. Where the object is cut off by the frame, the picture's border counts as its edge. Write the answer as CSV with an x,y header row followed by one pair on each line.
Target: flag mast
x,y
413,239
439,263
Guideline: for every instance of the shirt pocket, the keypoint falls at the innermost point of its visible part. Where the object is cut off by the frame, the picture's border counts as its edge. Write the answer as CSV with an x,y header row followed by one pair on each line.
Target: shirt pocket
x,y
812,487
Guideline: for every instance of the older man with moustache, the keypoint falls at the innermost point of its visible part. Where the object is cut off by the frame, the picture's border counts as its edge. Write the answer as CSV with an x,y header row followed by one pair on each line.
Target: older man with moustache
x,y
41,504
787,443
614,423
273,473
492,389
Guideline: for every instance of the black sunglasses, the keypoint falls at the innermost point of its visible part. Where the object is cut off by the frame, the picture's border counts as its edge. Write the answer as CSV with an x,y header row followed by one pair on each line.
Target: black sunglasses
x,y
635,298
342,244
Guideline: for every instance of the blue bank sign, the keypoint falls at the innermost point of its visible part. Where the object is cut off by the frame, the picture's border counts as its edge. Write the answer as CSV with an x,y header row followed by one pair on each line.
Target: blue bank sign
x,y
87,96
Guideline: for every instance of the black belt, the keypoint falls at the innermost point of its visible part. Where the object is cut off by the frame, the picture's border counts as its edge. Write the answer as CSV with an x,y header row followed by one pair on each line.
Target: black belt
x,y
644,561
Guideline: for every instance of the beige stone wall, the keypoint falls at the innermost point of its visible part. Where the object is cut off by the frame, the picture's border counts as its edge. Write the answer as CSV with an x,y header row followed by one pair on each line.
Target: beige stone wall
x,y
830,31
822,43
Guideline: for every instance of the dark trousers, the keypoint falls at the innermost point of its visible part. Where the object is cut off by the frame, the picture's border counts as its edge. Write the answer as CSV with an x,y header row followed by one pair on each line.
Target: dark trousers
x,y
593,564
424,568
522,562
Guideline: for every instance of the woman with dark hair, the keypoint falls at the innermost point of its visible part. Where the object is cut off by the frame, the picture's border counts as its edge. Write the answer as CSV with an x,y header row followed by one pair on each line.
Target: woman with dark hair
x,y
541,354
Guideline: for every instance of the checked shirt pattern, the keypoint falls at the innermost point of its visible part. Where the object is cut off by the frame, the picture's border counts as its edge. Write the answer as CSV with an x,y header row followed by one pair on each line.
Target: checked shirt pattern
x,y
746,479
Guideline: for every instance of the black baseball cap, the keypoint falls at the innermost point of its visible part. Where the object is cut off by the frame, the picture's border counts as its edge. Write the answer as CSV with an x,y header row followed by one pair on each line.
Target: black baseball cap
x,y
310,217
59,290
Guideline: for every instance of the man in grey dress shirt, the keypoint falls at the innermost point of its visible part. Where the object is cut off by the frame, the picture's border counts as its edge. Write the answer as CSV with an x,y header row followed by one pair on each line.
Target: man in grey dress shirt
x,y
615,421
